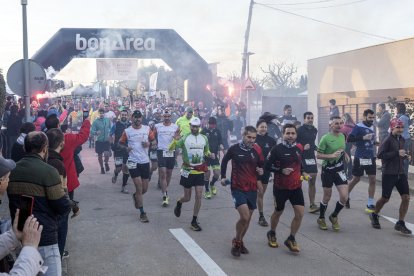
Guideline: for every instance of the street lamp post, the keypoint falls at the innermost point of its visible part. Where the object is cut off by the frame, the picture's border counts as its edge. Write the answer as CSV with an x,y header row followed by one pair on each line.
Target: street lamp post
x,y
26,62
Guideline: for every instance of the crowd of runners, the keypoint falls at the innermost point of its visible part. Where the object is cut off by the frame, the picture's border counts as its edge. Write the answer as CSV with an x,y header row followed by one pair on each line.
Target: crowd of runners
x,y
148,136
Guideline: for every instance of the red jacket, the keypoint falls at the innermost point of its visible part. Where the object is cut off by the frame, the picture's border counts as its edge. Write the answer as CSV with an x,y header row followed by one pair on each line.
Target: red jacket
x,y
72,141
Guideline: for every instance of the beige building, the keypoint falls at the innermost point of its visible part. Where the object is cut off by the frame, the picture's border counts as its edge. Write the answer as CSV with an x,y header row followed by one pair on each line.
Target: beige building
x,y
359,79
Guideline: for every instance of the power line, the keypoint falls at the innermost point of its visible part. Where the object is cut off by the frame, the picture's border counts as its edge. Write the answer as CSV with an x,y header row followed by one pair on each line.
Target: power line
x,y
327,23
299,3
333,6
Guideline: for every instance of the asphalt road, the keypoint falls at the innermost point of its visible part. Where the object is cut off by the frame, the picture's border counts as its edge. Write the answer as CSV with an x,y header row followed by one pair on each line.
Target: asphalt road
x,y
108,239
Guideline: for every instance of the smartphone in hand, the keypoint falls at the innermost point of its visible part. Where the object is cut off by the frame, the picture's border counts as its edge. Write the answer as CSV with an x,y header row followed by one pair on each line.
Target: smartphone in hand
x,y
26,209
85,114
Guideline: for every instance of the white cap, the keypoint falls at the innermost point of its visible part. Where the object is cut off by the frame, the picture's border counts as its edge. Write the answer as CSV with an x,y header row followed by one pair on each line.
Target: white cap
x,y
195,121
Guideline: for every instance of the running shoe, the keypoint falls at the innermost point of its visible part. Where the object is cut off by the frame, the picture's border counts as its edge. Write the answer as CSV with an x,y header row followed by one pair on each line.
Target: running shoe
x,y
75,209
143,217
400,226
102,171
165,201
243,249
322,224
207,195
313,208
195,226
263,222
213,190
292,245
347,205
124,190
236,248
114,177
177,209
65,255
135,201
375,221
370,209
271,239
107,167
335,223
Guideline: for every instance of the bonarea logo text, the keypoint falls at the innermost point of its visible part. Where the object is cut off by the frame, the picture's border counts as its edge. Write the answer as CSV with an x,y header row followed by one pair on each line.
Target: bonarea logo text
x,y
115,43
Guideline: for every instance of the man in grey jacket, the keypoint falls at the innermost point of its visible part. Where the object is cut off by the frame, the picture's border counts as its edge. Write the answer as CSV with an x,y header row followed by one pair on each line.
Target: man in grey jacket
x,y
383,122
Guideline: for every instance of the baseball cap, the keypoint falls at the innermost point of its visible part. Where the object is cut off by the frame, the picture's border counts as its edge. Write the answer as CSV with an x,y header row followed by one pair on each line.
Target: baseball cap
x,y
6,165
137,113
396,122
189,109
166,112
195,121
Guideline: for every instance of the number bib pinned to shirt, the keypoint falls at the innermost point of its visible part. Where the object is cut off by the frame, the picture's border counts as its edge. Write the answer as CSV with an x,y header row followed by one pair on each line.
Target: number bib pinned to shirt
x,y
118,161
342,175
167,153
131,165
153,155
365,162
185,173
310,162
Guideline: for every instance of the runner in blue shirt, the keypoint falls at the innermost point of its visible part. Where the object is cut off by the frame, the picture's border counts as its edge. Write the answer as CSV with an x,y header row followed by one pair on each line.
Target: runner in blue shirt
x,y
364,137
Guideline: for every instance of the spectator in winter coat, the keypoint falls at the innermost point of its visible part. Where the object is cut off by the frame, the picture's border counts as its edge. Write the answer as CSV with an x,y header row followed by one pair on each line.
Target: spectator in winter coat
x,y
17,151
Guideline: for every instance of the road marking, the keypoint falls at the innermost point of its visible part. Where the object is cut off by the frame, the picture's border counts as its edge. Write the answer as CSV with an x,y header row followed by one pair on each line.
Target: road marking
x,y
407,224
201,257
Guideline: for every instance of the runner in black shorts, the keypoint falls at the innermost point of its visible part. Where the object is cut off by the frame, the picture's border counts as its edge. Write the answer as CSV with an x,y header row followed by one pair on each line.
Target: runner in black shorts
x,y
364,137
164,132
307,136
195,149
285,160
393,154
215,143
266,143
120,154
332,151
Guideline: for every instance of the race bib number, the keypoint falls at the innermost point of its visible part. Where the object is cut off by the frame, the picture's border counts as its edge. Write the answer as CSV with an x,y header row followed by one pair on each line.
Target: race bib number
x,y
342,175
153,155
131,165
365,162
310,161
185,173
168,153
118,161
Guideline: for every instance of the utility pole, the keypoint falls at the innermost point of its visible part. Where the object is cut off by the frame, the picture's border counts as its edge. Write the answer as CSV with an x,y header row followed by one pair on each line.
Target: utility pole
x,y
246,43
27,92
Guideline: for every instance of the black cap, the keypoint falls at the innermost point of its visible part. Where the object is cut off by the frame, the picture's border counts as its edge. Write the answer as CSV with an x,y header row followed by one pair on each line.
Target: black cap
x,y
212,120
137,113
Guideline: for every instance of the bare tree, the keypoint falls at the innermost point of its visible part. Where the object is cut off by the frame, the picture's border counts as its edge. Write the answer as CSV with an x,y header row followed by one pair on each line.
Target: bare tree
x,y
280,76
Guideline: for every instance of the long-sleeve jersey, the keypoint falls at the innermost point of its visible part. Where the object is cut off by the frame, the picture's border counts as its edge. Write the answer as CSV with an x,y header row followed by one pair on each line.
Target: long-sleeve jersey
x,y
388,152
282,157
214,139
266,143
244,162
307,135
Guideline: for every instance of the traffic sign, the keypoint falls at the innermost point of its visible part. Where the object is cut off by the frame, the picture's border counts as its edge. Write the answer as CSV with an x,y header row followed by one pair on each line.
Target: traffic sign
x,y
248,85
15,78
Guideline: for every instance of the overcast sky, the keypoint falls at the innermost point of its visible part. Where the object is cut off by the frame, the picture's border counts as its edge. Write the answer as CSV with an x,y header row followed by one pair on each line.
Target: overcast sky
x,y
215,28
